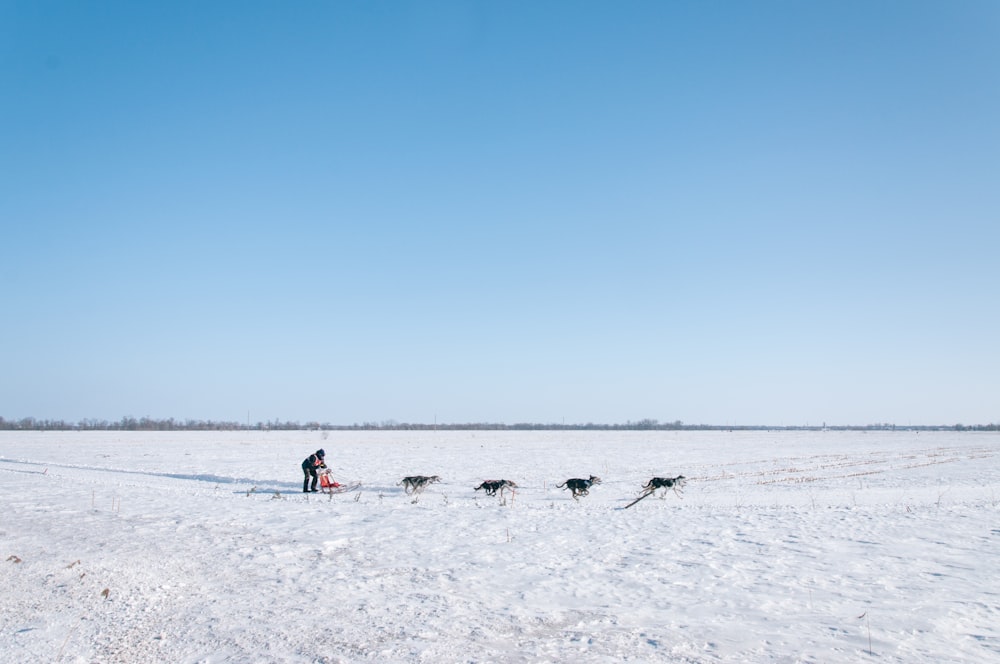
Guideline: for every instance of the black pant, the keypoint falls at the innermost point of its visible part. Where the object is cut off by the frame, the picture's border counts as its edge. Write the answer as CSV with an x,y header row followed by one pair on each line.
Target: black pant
x,y
309,471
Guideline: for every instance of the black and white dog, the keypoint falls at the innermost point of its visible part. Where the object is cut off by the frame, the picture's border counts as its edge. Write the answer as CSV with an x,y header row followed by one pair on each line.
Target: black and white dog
x,y
492,486
417,483
579,487
674,483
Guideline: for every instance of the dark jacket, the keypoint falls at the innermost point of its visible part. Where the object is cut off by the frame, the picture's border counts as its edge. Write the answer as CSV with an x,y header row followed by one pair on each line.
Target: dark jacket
x,y
313,461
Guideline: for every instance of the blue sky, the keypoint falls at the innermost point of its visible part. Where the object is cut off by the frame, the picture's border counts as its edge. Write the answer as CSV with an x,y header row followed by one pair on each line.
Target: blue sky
x,y
714,212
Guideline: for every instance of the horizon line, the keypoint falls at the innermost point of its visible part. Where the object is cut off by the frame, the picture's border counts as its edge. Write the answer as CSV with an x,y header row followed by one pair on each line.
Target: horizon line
x,y
130,423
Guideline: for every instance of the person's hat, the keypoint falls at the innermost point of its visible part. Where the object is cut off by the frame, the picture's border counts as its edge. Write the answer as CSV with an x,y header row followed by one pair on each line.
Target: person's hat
x,y
320,453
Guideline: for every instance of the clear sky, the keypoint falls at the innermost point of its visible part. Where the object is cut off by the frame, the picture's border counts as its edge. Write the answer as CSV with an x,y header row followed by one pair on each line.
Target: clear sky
x,y
714,212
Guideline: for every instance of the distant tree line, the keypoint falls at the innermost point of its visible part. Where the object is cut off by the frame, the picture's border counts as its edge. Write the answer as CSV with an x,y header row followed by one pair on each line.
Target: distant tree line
x,y
124,424
129,423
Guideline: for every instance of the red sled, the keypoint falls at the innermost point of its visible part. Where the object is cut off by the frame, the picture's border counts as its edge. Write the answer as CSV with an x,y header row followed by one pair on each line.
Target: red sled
x,y
327,484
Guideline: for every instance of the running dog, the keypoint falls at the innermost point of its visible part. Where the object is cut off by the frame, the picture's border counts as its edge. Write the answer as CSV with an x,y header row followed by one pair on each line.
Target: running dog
x,y
675,483
492,486
417,483
579,487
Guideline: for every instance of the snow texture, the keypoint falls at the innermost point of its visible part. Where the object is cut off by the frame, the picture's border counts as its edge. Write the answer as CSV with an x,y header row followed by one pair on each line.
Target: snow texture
x,y
785,547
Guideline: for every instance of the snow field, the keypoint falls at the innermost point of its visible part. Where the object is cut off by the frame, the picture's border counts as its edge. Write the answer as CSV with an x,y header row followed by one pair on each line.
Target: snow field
x,y
786,547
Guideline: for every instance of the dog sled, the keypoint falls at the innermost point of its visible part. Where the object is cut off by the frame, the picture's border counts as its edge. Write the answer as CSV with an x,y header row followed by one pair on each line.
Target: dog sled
x,y
330,486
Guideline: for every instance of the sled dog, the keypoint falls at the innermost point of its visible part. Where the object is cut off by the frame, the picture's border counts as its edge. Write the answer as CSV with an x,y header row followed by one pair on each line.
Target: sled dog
x,y
674,483
579,487
492,486
417,483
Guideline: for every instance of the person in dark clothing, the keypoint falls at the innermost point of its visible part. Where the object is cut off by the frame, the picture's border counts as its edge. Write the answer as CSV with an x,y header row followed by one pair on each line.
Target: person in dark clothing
x,y
309,466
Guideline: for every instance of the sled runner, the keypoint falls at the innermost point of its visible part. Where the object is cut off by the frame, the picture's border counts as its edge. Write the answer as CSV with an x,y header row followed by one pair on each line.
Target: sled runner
x,y
344,488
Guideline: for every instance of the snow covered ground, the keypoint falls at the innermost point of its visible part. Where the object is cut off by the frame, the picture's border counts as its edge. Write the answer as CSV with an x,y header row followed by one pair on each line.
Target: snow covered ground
x,y
786,547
